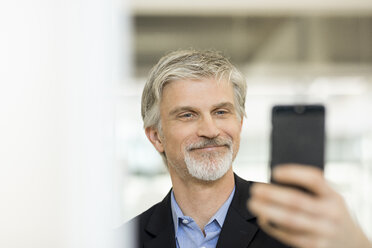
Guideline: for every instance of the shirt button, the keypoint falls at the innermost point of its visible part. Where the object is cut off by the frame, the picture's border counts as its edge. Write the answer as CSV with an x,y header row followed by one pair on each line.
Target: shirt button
x,y
184,221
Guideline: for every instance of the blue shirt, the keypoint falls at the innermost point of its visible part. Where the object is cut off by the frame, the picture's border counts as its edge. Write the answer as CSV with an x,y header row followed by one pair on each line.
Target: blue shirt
x,y
188,233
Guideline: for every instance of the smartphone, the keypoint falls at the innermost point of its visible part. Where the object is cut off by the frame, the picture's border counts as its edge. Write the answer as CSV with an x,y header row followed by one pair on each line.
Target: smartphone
x,y
298,135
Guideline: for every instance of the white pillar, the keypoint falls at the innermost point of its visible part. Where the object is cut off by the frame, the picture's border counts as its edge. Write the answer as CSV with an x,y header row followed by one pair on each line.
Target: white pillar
x,y
59,62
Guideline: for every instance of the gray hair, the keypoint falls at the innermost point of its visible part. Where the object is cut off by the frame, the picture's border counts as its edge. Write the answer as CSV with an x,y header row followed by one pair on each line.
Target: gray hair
x,y
194,65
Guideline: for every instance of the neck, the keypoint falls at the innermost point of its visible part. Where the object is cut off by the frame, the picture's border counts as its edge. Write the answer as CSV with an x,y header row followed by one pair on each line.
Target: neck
x,y
200,199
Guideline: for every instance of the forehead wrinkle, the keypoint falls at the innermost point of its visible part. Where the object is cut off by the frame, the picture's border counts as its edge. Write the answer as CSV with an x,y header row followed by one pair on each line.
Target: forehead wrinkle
x,y
187,107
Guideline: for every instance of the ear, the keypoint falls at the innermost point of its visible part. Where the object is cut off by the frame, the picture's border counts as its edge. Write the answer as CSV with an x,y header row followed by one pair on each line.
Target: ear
x,y
154,137
241,123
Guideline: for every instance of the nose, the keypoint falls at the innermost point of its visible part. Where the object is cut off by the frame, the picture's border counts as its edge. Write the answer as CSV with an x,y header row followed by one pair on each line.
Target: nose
x,y
207,128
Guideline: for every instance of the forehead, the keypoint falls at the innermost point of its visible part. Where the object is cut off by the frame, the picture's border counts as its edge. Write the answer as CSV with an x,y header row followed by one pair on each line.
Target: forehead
x,y
198,93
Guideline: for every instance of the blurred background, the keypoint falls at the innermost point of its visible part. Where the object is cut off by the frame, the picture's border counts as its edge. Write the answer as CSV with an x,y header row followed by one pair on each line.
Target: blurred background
x,y
74,159
290,52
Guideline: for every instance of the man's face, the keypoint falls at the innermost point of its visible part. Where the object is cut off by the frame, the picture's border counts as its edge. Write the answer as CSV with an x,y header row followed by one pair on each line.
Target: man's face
x,y
200,129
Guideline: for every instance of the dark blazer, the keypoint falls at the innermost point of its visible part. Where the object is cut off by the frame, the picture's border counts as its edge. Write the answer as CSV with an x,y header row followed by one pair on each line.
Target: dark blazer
x,y
155,227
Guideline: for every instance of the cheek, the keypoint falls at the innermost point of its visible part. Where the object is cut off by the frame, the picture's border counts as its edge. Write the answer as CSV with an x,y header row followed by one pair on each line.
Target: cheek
x,y
234,133
233,130
177,139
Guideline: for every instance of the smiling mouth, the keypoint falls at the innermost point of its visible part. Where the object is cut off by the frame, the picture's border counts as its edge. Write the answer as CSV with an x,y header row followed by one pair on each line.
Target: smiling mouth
x,y
209,148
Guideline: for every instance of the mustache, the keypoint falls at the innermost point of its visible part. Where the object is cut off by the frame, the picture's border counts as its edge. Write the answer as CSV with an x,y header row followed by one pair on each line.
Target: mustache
x,y
205,142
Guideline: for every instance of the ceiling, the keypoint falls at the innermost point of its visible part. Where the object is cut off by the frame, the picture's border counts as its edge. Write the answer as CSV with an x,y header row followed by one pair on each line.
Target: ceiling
x,y
251,7
309,41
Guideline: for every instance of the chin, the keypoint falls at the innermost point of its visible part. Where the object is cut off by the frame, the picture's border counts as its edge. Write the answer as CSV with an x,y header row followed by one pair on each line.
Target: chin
x,y
209,177
209,166
209,170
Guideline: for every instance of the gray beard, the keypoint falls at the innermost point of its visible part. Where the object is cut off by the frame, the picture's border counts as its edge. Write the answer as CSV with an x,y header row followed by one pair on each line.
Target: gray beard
x,y
209,166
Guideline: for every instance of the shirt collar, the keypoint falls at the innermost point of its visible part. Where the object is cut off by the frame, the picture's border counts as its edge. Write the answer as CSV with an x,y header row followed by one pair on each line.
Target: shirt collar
x,y
219,216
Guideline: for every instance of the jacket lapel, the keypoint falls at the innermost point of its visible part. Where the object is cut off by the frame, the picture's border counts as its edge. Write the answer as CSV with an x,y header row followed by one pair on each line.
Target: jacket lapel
x,y
164,239
161,227
237,231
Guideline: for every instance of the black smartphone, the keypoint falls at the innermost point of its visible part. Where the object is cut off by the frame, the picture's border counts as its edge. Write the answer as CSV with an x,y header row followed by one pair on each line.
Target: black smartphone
x,y
298,135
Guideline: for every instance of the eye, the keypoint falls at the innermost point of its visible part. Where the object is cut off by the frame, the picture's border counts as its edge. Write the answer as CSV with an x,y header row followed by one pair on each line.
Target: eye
x,y
221,112
186,116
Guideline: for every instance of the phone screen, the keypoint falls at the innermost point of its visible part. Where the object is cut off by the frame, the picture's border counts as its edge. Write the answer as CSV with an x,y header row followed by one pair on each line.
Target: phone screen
x,y
298,135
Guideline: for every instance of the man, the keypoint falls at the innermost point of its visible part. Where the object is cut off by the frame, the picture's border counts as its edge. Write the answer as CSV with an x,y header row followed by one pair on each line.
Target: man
x,y
193,109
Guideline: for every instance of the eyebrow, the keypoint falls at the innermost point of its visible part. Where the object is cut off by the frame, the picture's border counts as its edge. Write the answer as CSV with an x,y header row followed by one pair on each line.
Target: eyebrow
x,y
228,105
180,109
176,110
